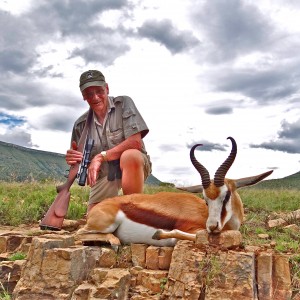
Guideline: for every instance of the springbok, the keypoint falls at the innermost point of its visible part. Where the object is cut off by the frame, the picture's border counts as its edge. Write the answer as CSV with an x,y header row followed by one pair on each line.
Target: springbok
x,y
163,218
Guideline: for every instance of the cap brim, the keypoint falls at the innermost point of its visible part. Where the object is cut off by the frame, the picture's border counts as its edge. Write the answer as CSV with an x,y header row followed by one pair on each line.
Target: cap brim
x,y
92,83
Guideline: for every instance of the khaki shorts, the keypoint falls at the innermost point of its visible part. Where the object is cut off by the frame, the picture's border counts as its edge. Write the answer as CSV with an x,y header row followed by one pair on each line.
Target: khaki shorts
x,y
106,189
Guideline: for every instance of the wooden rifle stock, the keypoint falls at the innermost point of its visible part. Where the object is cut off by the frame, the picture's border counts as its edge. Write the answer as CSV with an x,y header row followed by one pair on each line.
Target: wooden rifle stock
x,y
55,215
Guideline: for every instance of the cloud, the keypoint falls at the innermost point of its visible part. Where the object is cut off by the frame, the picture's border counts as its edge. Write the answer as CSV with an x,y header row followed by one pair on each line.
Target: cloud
x,y
231,28
264,86
166,34
102,50
219,110
19,137
169,148
288,139
76,18
63,22
13,131
207,146
57,120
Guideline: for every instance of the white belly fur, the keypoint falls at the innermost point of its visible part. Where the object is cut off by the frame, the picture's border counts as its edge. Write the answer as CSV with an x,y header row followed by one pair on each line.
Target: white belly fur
x,y
132,232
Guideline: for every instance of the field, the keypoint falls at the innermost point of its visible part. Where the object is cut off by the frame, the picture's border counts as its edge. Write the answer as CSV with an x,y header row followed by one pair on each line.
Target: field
x,y
26,203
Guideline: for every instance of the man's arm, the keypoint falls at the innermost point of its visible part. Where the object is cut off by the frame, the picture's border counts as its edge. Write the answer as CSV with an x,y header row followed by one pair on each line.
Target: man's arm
x,y
132,142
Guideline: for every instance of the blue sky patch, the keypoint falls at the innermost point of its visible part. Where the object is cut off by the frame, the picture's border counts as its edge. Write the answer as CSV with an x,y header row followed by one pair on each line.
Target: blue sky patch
x,y
11,120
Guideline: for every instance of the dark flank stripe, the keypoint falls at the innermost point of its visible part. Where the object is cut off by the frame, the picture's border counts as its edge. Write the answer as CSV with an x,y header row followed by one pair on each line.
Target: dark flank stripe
x,y
148,217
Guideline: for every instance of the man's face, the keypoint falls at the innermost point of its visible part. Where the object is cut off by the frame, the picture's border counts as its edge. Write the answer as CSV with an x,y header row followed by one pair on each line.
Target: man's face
x,y
96,96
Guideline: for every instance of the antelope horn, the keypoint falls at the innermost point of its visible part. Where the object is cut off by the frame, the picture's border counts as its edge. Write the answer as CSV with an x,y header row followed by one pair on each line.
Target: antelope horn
x,y
223,169
200,168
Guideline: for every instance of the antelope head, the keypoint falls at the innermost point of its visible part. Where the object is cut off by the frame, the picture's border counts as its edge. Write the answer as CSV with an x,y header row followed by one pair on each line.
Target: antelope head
x,y
225,208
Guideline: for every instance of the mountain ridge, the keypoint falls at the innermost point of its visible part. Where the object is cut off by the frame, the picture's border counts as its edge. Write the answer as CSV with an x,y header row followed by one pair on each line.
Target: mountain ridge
x,y
18,163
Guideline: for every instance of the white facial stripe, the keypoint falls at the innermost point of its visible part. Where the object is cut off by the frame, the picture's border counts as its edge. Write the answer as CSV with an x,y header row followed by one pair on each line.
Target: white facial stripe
x,y
215,207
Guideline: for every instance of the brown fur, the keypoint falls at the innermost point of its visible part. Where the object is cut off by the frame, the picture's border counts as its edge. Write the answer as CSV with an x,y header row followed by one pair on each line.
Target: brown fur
x,y
165,210
212,192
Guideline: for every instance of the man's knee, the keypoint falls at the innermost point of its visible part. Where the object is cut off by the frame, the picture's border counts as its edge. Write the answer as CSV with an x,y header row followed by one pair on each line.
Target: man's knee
x,y
131,158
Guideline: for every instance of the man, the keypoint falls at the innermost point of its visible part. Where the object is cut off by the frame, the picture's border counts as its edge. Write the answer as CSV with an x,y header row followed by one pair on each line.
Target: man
x,y
119,158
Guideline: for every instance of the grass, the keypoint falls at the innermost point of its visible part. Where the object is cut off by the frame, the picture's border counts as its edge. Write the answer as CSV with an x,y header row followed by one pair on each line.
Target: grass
x,y
17,256
271,200
4,295
26,203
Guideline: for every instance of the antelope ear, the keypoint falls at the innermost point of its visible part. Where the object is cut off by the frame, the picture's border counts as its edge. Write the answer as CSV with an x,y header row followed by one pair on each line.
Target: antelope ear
x,y
191,189
251,180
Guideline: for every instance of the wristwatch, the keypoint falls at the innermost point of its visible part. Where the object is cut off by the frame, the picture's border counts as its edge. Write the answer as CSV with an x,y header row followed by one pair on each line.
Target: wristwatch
x,y
104,154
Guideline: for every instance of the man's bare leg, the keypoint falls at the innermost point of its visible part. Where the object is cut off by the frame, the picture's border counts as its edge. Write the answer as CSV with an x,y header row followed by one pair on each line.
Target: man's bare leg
x,y
132,166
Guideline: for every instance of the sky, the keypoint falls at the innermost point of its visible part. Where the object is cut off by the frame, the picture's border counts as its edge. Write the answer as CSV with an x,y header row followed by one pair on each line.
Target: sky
x,y
198,71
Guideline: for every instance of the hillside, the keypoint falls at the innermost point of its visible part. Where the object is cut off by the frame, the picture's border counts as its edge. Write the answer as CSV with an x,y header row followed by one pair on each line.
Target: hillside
x,y
288,182
19,164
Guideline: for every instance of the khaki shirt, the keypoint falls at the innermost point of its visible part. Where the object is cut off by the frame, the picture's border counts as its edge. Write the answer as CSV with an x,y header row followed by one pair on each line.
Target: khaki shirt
x,y
122,121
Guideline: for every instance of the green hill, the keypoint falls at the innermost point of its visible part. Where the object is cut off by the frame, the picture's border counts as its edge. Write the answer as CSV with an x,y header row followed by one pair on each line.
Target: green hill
x,y
20,164
288,182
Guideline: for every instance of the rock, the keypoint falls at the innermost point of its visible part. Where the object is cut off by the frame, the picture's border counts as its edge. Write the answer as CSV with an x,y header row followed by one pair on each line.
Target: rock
x,y
158,258
106,284
183,278
292,227
71,225
107,258
264,275
232,276
276,223
138,252
263,236
152,253
10,241
10,273
165,257
58,267
281,277
152,280
53,268
226,240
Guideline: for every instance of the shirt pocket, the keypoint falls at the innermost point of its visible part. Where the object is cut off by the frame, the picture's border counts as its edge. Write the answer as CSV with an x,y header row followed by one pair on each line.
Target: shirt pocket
x,y
114,138
129,120
114,132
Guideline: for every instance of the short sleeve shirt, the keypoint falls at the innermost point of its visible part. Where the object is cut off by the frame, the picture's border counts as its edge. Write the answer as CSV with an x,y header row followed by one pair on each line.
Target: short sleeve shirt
x,y
122,121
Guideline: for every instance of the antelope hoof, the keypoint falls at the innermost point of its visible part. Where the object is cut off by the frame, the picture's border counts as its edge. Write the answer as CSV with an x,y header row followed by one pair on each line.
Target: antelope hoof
x,y
157,234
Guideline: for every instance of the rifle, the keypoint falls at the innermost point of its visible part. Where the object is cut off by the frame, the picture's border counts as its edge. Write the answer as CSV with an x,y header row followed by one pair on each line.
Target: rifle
x,y
55,215
81,175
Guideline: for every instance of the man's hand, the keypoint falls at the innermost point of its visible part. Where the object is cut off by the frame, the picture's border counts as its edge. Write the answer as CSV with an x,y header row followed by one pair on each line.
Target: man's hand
x,y
73,156
94,169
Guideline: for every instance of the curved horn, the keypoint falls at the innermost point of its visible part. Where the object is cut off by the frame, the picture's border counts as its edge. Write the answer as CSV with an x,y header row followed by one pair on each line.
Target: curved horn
x,y
201,169
223,169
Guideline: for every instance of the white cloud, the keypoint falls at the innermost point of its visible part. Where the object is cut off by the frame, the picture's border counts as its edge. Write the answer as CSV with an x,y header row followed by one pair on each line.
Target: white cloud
x,y
196,71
